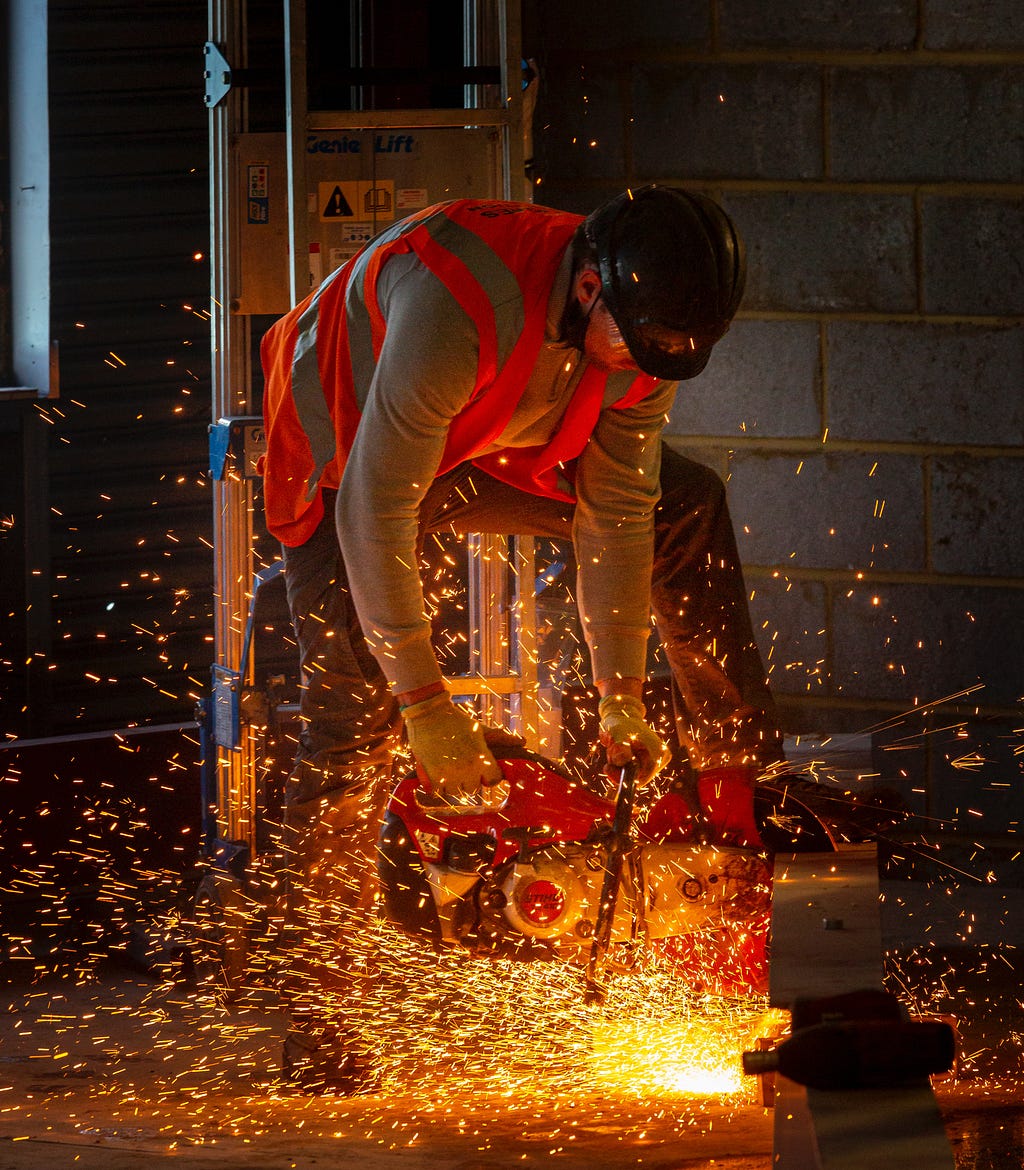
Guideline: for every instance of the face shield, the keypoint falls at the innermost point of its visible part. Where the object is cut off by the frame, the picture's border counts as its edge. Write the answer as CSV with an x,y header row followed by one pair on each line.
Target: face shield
x,y
671,354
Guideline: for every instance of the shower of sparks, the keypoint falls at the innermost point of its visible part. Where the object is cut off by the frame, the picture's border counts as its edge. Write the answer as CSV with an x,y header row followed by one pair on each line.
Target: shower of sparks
x,y
458,1041
501,1025
970,762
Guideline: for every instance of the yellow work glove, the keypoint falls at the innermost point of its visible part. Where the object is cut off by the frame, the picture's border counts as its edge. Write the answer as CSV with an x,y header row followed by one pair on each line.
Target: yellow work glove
x,y
625,736
451,752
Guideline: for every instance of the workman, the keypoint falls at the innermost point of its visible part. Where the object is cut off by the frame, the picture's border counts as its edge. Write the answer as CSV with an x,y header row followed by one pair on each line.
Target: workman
x,y
501,367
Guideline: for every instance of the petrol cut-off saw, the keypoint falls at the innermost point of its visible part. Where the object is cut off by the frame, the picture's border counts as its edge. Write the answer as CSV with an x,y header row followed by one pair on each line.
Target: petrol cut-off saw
x,y
564,871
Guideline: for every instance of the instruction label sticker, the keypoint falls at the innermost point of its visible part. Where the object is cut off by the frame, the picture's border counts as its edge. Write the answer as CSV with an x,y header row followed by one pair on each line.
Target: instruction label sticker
x,y
356,233
356,201
259,192
411,198
316,265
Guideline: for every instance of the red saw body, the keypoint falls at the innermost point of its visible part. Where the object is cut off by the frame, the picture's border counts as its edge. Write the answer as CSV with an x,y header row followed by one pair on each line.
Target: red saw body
x,y
558,873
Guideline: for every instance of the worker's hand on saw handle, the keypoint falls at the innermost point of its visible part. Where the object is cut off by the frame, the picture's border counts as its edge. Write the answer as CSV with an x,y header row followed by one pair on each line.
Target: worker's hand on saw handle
x,y
626,736
452,754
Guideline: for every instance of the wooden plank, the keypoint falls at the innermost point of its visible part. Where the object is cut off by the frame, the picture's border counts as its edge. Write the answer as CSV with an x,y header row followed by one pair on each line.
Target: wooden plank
x,y
826,940
900,1129
826,924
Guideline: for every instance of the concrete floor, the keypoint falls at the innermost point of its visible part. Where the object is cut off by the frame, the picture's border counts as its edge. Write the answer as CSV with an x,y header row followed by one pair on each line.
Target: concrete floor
x,y
114,1069
126,1070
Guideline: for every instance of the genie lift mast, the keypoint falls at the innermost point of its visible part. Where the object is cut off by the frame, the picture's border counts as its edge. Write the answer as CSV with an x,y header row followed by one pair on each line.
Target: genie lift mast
x,y
287,207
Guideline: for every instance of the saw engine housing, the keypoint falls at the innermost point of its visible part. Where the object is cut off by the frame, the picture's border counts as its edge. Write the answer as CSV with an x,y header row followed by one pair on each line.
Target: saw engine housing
x,y
526,881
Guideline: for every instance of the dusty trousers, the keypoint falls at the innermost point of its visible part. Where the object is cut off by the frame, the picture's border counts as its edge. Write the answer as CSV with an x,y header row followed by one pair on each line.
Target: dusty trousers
x,y
329,844
333,805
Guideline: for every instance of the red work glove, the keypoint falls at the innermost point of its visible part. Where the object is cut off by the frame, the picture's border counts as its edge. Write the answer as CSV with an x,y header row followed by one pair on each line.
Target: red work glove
x,y
670,819
727,798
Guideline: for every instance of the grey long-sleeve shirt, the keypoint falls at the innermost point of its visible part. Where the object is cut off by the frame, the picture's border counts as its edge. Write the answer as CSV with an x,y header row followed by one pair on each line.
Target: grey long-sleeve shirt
x,y
424,376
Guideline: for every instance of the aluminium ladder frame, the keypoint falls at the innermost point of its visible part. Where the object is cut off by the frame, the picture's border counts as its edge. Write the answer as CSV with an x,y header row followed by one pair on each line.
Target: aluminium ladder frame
x,y
503,665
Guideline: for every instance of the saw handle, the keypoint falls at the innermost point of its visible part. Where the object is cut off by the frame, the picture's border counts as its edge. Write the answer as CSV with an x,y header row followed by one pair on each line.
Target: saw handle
x,y
624,800
618,847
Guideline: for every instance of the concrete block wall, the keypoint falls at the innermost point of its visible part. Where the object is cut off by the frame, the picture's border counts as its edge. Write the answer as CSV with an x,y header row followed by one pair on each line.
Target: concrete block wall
x,y
867,408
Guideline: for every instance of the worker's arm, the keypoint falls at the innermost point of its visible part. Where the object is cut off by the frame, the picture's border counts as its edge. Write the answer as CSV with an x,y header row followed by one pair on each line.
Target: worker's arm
x,y
617,486
424,375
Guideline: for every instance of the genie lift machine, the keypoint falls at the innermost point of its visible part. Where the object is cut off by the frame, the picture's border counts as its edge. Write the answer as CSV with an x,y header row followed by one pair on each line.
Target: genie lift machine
x,y
288,206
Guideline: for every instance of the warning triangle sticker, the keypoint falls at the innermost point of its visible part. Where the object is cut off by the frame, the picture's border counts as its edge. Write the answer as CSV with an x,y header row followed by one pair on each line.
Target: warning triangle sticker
x,y
338,206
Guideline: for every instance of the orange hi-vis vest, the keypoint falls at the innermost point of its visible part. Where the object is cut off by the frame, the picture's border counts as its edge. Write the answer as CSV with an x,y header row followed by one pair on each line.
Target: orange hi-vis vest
x,y
493,258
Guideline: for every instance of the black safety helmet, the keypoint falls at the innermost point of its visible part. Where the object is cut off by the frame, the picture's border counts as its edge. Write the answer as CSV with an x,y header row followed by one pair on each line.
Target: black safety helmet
x,y
672,269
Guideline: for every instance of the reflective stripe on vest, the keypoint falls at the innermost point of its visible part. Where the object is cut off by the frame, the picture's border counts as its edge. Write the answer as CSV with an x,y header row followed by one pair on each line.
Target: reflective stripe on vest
x,y
308,391
307,388
471,270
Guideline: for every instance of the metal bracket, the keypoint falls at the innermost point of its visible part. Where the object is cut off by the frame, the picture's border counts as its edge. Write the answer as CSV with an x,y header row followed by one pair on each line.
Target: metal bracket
x,y
221,78
241,436
216,73
229,695
227,706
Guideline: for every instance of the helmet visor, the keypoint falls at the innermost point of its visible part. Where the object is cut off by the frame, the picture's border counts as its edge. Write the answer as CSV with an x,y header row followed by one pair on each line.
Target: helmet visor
x,y
671,354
